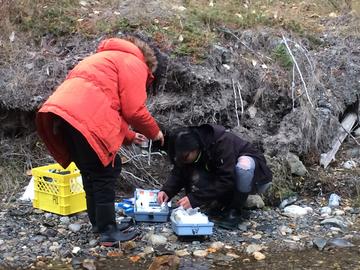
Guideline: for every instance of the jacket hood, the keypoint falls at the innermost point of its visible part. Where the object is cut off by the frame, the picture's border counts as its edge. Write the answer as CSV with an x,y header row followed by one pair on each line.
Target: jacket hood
x,y
117,44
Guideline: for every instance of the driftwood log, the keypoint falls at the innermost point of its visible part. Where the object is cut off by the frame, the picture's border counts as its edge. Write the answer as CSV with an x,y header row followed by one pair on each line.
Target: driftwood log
x,y
344,130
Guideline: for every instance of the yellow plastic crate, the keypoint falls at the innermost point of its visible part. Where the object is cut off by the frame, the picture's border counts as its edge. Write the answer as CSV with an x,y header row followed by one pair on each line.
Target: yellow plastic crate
x,y
58,192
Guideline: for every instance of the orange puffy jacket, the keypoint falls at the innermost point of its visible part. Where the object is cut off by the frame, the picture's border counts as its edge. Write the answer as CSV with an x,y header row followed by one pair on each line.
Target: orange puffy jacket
x,y
101,97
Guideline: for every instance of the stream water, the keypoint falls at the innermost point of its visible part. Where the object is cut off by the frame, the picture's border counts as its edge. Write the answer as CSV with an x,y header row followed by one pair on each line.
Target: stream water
x,y
344,258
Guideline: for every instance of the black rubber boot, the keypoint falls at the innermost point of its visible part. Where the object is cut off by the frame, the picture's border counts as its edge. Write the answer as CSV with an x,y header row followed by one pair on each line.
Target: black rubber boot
x,y
233,216
110,235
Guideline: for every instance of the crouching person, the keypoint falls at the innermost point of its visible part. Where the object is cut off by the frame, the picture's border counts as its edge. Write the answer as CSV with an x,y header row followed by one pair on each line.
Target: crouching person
x,y
213,164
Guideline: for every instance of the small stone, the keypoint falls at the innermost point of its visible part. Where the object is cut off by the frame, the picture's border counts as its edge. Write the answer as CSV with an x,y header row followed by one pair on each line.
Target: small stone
x,y
334,221
148,250
259,256
295,211
157,240
75,250
232,255
285,230
256,236
200,253
246,260
296,166
93,243
182,253
338,242
254,202
250,249
320,243
65,220
129,245
217,245
295,238
339,212
75,227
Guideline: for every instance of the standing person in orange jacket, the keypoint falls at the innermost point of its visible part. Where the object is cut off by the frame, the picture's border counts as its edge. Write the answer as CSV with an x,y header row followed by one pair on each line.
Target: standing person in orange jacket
x,y
87,119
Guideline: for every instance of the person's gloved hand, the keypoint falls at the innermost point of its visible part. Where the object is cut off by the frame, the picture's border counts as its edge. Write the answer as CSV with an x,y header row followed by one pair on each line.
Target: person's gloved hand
x,y
184,202
160,137
139,138
162,197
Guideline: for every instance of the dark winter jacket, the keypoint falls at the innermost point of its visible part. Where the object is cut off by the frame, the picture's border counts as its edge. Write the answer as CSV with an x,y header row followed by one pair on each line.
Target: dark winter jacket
x,y
212,177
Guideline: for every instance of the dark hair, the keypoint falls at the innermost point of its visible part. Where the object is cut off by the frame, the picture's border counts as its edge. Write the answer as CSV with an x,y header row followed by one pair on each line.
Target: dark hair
x,y
181,141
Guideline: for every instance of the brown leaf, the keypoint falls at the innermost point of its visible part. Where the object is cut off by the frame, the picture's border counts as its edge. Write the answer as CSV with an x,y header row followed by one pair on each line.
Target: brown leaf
x,y
135,258
115,254
166,262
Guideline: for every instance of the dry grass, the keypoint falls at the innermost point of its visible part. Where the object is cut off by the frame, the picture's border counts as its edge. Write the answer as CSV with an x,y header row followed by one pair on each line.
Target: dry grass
x,y
186,31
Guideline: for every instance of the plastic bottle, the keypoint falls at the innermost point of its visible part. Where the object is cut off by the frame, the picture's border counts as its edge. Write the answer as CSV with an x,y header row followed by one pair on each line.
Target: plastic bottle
x,y
334,200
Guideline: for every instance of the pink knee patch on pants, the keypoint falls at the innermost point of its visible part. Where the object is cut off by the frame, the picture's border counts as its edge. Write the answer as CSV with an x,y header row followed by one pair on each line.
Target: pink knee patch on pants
x,y
244,162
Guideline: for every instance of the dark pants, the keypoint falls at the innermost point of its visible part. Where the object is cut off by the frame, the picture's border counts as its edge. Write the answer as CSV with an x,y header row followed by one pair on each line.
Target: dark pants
x,y
99,181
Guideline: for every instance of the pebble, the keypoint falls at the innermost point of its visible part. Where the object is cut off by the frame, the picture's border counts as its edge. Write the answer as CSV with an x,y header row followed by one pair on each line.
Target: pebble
x,y
334,221
217,245
232,255
259,256
157,239
295,211
320,243
182,253
200,253
65,220
250,249
75,227
148,250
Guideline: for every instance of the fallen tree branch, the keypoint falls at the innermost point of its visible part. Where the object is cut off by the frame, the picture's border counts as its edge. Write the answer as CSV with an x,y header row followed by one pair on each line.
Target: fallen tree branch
x,y
236,107
241,100
344,129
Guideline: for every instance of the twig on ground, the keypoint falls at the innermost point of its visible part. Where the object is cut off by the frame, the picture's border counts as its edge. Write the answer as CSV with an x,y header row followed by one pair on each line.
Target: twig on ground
x,y
241,100
133,175
293,88
298,69
149,152
236,107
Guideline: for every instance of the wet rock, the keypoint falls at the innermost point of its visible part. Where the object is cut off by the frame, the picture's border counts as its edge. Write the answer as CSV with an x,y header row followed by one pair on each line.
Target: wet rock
x,y
157,239
336,221
89,264
243,226
254,202
168,262
232,255
148,250
250,249
350,164
339,243
217,245
325,211
75,227
182,253
295,211
296,166
129,245
285,230
259,256
200,253
288,201
320,243
64,220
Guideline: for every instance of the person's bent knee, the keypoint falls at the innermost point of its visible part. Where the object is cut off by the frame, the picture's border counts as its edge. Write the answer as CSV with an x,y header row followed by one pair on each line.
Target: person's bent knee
x,y
246,163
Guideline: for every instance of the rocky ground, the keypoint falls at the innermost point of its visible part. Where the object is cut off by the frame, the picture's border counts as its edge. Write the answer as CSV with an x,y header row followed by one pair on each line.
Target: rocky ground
x,y
32,238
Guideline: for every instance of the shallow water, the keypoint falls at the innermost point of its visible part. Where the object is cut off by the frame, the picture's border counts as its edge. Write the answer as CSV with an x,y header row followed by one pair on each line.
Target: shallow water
x,y
344,258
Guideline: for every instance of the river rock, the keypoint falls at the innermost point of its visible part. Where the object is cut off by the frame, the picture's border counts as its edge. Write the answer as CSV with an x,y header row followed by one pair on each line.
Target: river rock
x,y
157,239
217,245
340,243
170,262
254,202
295,211
259,256
250,249
325,211
148,250
200,253
336,221
182,253
232,255
320,243
288,201
75,227
296,166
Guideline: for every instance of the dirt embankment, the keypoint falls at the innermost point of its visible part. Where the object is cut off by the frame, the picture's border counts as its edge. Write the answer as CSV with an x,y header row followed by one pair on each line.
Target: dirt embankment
x,y
284,89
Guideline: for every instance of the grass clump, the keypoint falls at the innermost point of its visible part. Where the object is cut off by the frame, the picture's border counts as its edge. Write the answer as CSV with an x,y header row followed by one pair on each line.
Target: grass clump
x,y
282,56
